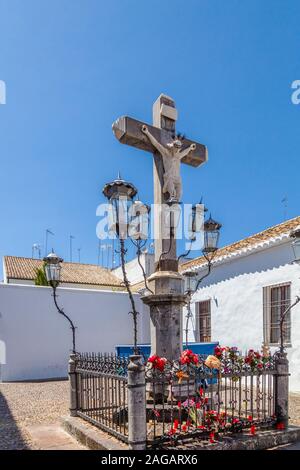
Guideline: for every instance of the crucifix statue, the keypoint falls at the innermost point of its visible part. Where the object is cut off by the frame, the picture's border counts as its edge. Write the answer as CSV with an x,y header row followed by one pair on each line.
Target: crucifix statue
x,y
171,154
168,150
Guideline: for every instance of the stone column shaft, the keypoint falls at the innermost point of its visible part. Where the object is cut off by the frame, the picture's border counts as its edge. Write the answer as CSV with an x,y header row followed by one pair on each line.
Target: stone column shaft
x,y
137,426
73,385
281,391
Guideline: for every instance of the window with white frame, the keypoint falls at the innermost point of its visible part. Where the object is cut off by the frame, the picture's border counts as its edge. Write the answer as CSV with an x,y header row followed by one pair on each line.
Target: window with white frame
x,y
276,299
203,321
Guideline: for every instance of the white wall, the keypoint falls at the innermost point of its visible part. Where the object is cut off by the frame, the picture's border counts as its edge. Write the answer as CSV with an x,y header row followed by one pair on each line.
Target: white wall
x,y
133,269
236,293
38,340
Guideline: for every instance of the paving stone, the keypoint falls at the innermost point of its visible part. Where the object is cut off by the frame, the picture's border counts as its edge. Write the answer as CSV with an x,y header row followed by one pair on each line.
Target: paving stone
x,y
52,437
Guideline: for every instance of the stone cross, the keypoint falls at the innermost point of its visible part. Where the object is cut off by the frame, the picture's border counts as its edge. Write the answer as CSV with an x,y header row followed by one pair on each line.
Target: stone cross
x,y
168,152
132,132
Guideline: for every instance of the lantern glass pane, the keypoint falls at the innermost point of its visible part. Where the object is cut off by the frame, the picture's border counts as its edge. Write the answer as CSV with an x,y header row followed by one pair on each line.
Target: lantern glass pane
x,y
189,283
211,239
296,248
53,272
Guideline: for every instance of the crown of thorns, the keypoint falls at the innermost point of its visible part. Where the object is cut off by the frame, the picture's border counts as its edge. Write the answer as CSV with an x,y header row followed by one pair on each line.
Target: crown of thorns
x,y
178,136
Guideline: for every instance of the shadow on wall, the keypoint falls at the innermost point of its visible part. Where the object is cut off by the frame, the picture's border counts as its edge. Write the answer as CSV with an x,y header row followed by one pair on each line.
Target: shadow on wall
x,y
11,437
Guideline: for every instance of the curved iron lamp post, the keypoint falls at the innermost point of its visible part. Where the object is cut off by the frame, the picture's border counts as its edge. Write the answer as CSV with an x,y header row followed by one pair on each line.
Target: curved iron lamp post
x,y
211,240
53,268
295,236
282,318
120,194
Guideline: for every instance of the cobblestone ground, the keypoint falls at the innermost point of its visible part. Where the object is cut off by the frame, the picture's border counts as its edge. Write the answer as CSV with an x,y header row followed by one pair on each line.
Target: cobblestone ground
x,y
27,403
295,408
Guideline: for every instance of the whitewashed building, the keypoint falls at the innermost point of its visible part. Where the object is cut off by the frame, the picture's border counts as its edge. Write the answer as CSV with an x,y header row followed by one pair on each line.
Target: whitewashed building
x,y
252,282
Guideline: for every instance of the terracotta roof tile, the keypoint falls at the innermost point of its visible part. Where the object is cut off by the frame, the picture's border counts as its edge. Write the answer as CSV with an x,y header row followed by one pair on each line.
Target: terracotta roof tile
x,y
263,238
74,273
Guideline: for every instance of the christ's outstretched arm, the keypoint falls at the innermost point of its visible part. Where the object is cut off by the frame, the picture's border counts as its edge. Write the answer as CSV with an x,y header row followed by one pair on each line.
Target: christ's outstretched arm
x,y
185,152
159,147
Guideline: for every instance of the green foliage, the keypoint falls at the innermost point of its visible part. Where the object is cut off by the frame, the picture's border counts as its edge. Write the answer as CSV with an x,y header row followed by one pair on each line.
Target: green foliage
x,y
41,279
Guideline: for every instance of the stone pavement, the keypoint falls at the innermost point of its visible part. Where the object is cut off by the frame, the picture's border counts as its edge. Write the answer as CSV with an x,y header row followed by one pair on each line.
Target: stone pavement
x,y
293,446
52,437
30,416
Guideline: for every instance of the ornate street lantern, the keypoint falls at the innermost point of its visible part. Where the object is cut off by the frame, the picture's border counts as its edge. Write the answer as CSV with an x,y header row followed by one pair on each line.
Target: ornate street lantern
x,y
139,225
53,268
211,236
198,211
295,236
189,281
120,194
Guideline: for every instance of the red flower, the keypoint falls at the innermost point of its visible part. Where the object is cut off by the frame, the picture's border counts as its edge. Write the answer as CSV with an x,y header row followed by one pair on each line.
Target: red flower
x,y
175,423
280,426
250,418
201,391
172,431
179,404
188,357
253,430
158,362
184,428
201,427
218,351
212,437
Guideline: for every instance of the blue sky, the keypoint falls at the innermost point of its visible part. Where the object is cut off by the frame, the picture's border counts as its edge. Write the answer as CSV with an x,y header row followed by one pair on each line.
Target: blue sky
x,y
71,67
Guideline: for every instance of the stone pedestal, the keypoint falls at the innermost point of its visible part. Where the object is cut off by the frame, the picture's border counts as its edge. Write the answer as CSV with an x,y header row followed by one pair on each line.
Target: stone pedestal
x,y
166,313
137,427
281,391
73,385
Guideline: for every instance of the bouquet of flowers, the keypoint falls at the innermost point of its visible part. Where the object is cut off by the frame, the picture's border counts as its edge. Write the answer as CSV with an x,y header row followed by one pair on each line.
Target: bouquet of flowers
x,y
188,357
157,362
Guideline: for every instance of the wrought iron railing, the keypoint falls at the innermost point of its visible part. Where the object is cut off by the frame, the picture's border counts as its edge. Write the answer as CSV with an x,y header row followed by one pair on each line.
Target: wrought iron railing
x,y
194,400
101,387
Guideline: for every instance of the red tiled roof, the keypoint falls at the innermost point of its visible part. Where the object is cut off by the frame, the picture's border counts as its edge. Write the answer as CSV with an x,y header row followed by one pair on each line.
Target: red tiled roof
x,y
277,232
74,273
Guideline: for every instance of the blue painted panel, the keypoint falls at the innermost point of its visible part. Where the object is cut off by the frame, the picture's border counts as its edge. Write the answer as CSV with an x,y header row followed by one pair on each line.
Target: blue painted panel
x,y
204,349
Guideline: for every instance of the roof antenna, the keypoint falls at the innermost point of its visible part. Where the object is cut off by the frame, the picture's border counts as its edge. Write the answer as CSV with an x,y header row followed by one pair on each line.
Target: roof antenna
x,y
284,201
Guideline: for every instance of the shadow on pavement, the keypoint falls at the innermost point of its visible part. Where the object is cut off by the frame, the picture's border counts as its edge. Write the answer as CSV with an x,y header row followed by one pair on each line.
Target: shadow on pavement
x,y
11,437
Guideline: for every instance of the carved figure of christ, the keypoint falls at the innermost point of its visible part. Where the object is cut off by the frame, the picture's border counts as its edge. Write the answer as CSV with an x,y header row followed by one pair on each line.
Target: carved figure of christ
x,y
172,154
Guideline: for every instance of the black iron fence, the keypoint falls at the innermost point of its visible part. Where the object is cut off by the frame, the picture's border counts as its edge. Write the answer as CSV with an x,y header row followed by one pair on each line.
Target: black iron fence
x,y
194,400
101,390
